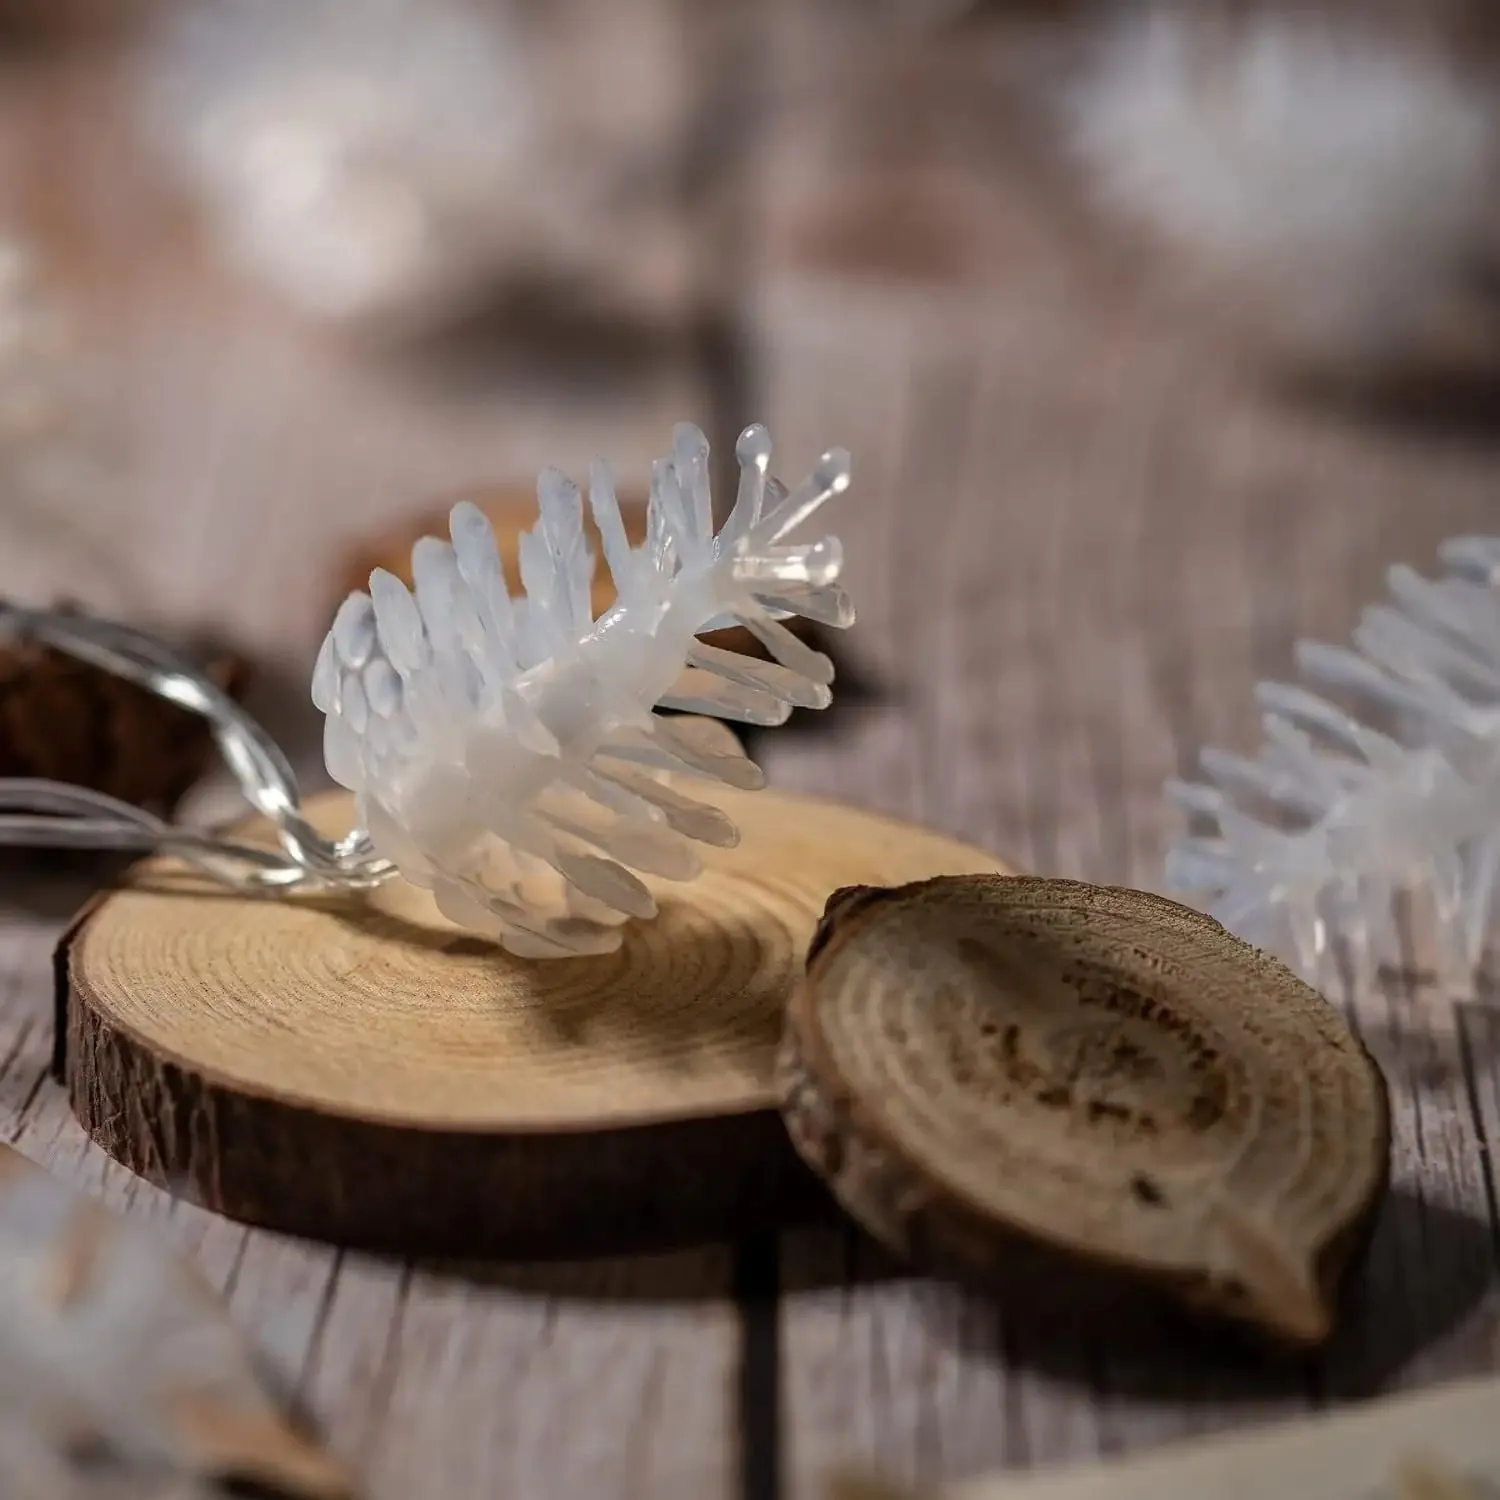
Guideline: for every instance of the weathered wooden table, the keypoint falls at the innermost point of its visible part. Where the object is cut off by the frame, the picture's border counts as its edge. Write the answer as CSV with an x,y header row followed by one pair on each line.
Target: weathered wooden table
x,y
1078,534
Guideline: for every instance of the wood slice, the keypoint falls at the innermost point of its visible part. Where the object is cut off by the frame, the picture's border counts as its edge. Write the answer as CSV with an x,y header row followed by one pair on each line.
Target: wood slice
x,y
1012,1078
367,1074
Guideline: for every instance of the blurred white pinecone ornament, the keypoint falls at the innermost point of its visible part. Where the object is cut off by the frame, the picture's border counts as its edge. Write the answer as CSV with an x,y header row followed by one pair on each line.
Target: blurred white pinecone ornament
x,y
360,158
382,165
1347,818
1326,171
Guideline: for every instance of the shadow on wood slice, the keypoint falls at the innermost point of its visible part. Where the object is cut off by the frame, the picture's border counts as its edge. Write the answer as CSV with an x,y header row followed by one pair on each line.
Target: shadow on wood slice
x,y
1015,1079
367,1074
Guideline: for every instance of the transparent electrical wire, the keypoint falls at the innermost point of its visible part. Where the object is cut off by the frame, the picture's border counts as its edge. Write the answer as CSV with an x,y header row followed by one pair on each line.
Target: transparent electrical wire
x,y
35,812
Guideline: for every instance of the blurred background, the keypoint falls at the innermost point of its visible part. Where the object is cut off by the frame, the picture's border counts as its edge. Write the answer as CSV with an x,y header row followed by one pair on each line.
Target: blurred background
x,y
1156,331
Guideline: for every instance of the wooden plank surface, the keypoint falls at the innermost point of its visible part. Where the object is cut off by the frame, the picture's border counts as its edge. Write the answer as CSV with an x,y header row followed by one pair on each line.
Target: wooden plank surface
x,y
1111,575
1077,536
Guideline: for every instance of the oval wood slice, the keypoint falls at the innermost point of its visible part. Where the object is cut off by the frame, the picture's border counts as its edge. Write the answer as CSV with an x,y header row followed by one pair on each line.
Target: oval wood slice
x,y
1000,1073
368,1074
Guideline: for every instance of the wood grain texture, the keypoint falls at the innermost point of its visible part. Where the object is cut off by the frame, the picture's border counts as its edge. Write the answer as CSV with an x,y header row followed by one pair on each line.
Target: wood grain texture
x,y
1072,1095
1078,532
366,1073
1124,547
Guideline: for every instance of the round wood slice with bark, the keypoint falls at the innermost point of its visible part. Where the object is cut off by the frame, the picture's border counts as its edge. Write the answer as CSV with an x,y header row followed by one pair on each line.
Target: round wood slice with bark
x,y
366,1073
1032,1081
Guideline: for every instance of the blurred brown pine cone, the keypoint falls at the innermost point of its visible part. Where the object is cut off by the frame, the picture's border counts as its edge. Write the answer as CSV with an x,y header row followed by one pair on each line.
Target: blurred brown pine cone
x,y
68,721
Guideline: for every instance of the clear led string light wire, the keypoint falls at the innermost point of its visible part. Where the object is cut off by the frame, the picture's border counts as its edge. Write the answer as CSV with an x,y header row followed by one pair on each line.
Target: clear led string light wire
x,y
50,814
1376,790
505,751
